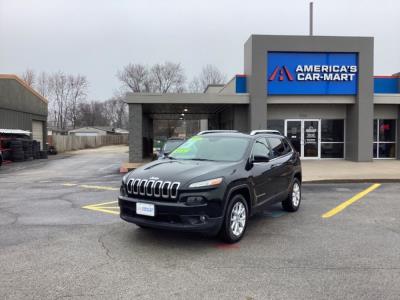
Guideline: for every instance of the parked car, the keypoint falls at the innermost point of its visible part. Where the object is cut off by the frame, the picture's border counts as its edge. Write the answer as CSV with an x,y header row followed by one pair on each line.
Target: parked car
x,y
213,183
169,145
1,158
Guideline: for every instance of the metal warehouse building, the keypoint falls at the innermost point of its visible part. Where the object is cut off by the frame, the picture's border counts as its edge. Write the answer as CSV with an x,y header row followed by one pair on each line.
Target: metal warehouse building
x,y
21,107
319,91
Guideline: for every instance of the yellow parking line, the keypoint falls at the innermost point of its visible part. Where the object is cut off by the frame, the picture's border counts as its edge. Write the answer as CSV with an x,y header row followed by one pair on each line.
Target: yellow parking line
x,y
104,203
114,210
96,187
350,201
110,207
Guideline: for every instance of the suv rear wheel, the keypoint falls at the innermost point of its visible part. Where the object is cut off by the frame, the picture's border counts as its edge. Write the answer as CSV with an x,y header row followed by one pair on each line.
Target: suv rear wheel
x,y
235,221
292,202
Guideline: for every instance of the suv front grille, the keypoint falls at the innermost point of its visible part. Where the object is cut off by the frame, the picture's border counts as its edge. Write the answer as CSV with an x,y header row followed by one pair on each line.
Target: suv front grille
x,y
152,188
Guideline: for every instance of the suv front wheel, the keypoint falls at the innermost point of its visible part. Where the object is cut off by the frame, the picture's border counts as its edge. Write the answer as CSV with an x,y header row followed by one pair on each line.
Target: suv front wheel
x,y
292,202
235,221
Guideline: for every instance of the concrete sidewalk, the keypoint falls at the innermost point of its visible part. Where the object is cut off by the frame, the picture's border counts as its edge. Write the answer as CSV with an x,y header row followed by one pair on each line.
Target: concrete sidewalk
x,y
348,171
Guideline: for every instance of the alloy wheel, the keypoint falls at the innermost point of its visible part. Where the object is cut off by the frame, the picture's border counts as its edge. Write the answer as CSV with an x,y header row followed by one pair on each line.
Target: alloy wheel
x,y
238,219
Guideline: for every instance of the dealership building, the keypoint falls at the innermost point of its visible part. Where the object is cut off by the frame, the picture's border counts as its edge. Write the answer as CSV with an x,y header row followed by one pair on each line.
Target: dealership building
x,y
319,91
22,108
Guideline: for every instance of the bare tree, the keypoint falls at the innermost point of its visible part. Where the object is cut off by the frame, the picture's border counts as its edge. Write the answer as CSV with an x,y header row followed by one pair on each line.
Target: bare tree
x,y
42,84
168,77
160,78
91,114
61,91
29,77
136,77
116,111
209,75
195,86
77,86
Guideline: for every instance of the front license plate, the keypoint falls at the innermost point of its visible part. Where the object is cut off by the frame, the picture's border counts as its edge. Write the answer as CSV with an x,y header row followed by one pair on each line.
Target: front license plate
x,y
145,209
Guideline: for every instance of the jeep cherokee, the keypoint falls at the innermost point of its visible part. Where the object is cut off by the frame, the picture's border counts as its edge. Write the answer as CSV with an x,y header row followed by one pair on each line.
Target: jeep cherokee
x,y
212,183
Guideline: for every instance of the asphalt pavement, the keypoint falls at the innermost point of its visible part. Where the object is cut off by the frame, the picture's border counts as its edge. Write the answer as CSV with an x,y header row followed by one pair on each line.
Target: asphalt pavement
x,y
56,244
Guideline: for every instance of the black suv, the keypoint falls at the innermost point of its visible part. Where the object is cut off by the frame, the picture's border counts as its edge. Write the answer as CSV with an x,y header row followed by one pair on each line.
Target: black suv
x,y
212,184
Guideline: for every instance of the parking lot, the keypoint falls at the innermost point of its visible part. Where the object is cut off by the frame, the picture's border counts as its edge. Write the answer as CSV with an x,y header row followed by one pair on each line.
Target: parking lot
x,y
61,238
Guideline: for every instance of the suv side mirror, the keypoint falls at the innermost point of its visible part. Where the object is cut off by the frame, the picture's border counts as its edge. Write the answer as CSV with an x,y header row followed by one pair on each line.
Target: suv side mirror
x,y
260,159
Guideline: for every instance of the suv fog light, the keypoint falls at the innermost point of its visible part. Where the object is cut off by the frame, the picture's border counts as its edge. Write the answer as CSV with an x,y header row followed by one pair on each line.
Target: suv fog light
x,y
194,200
202,218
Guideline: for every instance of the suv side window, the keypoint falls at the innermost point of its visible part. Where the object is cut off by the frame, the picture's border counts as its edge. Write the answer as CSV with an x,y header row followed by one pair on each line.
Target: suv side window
x,y
277,146
261,148
288,148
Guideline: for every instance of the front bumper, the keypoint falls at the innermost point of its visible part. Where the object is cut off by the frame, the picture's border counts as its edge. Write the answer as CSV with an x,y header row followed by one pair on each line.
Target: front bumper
x,y
171,215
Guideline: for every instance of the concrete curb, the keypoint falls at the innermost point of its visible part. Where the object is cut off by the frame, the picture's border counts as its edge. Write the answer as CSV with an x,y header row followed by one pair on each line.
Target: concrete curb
x,y
370,180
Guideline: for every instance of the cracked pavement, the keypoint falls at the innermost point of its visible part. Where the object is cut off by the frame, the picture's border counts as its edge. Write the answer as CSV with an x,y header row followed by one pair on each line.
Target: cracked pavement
x,y
52,248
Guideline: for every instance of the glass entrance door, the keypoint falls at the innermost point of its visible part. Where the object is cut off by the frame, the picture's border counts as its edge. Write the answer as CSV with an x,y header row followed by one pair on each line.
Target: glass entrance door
x,y
305,136
293,132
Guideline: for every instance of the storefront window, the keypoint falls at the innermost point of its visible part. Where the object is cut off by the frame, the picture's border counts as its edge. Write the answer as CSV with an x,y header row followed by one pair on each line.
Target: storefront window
x,y
384,138
332,150
332,138
332,131
387,130
276,125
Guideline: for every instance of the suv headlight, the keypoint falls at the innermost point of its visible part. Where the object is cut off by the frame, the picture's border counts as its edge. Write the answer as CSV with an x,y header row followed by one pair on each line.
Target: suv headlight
x,y
125,178
206,183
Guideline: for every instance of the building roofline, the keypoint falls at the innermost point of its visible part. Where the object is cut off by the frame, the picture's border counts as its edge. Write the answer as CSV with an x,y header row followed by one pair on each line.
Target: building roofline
x,y
386,76
24,84
213,85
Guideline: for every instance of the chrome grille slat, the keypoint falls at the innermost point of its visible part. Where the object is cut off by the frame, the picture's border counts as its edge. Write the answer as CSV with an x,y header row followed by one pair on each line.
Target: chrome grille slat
x,y
166,195
174,189
149,188
129,186
135,186
157,188
142,187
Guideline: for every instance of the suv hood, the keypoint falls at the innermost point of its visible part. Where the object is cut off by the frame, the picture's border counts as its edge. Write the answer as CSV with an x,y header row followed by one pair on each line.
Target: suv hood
x,y
183,171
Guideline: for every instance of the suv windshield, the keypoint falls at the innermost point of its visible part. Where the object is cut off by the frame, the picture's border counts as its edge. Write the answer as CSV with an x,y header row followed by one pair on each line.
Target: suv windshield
x,y
171,145
216,148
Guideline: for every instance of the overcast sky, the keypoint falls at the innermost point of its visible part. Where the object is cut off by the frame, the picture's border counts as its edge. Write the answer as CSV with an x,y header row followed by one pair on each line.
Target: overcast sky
x,y
98,37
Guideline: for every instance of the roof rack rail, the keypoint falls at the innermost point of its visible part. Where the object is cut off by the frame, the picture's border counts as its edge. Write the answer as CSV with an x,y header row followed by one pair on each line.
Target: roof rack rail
x,y
217,131
261,131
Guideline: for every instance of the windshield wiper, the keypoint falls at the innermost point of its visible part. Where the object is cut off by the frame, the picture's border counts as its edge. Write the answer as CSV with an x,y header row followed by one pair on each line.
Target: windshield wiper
x,y
202,159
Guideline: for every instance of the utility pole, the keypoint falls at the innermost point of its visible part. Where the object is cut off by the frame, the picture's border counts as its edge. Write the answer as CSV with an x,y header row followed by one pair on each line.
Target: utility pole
x,y
311,18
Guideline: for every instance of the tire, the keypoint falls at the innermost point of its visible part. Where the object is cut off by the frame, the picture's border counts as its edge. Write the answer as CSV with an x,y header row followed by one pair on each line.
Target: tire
x,y
293,200
7,155
17,155
237,213
43,154
15,143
